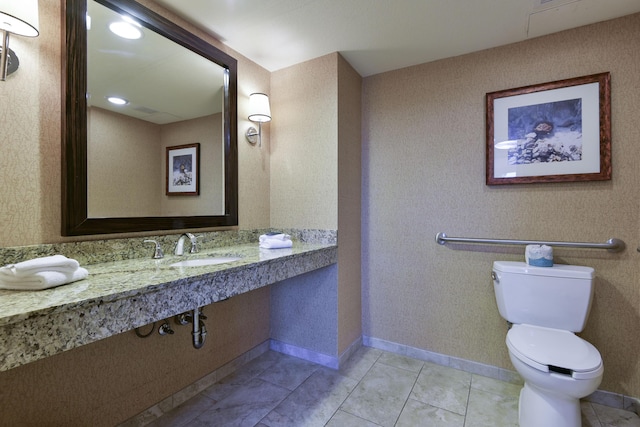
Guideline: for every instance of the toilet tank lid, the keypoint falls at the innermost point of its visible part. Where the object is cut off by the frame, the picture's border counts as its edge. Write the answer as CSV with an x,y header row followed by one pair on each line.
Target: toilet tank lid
x,y
558,270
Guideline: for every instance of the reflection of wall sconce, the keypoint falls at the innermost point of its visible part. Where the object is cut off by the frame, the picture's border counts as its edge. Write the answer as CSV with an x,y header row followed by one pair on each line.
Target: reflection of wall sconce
x,y
17,17
259,112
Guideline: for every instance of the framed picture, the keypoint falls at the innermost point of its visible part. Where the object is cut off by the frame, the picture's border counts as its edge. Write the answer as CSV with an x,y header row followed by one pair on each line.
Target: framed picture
x,y
183,170
551,132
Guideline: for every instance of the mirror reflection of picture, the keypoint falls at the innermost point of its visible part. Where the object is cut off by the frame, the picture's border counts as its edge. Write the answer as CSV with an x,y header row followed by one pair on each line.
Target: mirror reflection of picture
x,y
183,170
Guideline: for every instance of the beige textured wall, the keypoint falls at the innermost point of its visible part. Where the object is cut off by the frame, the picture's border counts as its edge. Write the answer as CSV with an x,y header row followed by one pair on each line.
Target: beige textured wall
x,y
124,159
349,205
127,159
108,381
30,138
304,146
424,173
207,131
315,167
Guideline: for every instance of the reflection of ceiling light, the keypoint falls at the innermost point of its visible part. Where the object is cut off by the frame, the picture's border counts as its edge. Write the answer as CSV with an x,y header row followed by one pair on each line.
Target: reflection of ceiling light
x,y
506,145
117,100
127,29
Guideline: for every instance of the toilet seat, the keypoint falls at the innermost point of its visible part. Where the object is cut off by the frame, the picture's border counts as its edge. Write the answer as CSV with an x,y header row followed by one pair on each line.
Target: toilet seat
x,y
554,350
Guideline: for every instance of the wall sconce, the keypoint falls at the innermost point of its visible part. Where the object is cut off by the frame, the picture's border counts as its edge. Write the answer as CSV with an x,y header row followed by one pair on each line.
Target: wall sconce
x,y
259,112
17,17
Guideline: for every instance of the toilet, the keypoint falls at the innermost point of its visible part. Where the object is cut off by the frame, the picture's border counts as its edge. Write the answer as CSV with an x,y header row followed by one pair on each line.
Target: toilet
x,y
546,306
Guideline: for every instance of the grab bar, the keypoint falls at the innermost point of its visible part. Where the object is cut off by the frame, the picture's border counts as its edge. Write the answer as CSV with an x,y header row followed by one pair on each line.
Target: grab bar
x,y
613,245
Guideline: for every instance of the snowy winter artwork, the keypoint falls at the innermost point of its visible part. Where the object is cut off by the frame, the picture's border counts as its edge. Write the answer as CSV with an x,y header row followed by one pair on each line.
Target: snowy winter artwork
x,y
183,170
552,132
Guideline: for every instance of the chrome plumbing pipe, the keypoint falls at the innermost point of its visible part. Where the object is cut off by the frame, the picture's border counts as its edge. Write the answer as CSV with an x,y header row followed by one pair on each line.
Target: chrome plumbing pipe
x,y
199,330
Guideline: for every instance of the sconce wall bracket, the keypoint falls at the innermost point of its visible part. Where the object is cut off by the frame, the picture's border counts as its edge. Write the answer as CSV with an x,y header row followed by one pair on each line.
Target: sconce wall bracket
x,y
12,63
252,135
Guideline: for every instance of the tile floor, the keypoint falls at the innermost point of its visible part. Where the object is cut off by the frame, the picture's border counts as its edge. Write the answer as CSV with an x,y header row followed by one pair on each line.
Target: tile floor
x,y
375,388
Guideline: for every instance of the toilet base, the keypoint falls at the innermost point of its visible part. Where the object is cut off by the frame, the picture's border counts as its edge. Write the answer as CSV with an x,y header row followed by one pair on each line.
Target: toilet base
x,y
538,408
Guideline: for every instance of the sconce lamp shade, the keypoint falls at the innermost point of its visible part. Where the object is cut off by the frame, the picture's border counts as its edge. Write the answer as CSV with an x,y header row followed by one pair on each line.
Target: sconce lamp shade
x,y
259,110
19,17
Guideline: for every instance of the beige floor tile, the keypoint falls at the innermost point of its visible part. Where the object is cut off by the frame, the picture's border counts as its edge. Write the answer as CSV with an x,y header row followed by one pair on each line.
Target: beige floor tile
x,y
418,414
401,362
610,417
443,387
314,402
360,362
374,388
488,409
245,407
183,414
343,419
381,394
289,372
496,386
589,417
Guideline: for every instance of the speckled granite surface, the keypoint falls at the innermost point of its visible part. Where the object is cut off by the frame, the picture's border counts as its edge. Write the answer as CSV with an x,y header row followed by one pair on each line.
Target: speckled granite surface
x,y
122,294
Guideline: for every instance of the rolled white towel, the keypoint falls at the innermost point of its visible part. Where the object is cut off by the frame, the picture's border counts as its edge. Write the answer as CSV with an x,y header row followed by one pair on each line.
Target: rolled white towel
x,y
42,280
57,263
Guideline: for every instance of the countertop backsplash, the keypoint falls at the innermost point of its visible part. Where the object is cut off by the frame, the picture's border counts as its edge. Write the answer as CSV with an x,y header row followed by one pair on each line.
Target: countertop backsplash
x,y
118,249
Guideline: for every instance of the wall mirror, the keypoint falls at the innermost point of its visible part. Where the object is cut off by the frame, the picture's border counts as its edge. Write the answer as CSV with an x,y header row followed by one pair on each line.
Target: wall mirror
x,y
123,165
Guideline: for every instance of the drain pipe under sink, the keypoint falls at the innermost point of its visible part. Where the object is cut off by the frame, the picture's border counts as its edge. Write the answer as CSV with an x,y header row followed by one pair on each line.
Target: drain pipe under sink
x,y
199,329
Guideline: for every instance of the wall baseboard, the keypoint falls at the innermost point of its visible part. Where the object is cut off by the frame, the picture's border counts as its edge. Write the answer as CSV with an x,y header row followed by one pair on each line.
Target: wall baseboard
x,y
302,353
315,357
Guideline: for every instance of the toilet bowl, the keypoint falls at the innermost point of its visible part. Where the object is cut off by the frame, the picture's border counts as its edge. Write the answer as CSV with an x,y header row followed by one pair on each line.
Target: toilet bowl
x,y
558,368
546,306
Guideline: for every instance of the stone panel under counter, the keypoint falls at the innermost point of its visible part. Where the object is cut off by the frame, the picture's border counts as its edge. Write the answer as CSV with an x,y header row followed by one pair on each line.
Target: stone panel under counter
x,y
121,295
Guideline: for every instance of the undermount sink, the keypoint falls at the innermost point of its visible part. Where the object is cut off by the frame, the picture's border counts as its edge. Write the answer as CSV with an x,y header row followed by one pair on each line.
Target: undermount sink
x,y
199,262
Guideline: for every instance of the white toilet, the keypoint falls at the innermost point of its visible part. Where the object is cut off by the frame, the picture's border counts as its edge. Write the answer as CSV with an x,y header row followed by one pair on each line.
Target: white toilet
x,y
546,306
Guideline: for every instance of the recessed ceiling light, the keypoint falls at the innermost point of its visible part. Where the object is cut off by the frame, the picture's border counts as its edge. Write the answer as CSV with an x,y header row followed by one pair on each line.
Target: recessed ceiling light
x,y
127,29
117,100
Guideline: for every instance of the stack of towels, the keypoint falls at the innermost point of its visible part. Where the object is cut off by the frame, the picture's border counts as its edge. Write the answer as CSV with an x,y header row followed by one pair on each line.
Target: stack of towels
x,y
275,241
41,273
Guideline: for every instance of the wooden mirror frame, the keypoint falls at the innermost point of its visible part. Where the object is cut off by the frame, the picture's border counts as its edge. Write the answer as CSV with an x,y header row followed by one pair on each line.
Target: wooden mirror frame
x,y
75,220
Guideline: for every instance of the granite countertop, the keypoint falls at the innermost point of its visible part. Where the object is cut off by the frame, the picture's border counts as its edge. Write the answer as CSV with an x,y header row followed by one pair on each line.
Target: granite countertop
x,y
122,295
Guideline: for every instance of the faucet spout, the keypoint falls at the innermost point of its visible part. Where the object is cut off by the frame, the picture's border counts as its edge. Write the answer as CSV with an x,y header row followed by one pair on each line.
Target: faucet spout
x,y
179,250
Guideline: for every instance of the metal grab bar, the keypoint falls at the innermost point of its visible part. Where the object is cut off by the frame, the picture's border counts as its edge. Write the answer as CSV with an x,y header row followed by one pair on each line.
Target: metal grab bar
x,y
613,245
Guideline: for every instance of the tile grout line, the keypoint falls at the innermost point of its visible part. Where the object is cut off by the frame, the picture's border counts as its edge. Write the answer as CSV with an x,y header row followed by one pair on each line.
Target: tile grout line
x,y
288,395
466,408
409,396
351,392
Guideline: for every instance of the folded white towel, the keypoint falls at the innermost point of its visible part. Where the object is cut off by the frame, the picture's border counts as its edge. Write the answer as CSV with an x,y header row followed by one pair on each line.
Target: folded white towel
x,y
275,243
266,254
280,236
58,263
42,280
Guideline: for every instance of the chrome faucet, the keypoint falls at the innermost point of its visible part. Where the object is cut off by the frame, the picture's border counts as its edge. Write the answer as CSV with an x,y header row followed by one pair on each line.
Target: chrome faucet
x,y
180,245
157,253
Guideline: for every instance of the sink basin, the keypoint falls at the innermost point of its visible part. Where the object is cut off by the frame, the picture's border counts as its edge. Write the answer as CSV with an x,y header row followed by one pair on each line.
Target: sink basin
x,y
199,262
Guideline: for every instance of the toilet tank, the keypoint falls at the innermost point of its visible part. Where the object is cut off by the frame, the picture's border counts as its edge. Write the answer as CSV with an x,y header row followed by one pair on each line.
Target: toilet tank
x,y
554,297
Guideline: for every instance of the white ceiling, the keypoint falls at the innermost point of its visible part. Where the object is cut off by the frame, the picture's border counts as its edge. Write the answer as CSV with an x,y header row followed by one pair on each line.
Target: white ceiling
x,y
162,81
382,35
